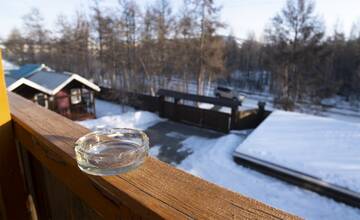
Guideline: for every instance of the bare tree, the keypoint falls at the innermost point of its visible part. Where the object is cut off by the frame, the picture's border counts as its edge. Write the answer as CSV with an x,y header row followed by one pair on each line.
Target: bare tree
x,y
36,36
128,32
210,48
294,38
147,51
15,47
102,34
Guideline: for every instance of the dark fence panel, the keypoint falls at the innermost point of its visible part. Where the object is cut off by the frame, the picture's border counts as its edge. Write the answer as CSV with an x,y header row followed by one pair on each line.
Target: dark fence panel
x,y
190,114
219,120
168,111
144,102
195,116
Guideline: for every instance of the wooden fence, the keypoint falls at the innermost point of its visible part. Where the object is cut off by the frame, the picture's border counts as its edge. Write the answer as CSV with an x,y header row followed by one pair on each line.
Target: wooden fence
x,y
196,116
176,111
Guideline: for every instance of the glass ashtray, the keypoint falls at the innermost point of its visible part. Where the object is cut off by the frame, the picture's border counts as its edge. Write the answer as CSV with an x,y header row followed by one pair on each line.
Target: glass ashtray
x,y
111,151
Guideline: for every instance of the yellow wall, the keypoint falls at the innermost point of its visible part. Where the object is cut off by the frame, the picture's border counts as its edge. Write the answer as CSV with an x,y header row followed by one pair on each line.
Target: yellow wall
x,y
4,104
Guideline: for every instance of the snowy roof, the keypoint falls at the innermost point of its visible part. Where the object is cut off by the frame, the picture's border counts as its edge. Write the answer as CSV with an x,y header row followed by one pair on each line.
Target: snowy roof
x,y
51,82
322,147
27,69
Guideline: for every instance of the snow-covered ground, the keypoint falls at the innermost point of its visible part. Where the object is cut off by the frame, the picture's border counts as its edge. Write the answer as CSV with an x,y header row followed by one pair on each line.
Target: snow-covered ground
x,y
323,147
211,159
8,66
113,115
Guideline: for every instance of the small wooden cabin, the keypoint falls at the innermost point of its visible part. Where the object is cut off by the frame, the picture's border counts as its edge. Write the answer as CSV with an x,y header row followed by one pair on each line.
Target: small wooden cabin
x,y
65,93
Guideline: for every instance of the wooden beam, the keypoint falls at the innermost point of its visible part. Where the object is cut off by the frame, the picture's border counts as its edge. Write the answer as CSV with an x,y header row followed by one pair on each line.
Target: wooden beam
x,y
12,188
301,179
153,191
199,98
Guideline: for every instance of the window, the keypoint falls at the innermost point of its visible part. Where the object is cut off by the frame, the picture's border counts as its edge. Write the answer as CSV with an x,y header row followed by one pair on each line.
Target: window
x,y
87,96
75,96
41,99
223,89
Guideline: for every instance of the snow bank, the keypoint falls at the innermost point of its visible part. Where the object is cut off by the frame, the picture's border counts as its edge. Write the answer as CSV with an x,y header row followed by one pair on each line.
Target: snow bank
x,y
8,66
139,120
154,150
113,115
211,160
323,147
205,105
104,108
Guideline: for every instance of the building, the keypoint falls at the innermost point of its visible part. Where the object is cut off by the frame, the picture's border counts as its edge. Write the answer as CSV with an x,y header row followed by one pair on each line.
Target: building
x,y
65,93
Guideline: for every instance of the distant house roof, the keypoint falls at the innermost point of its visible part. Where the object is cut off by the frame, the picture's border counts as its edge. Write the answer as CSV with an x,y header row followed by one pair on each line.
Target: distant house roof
x,y
9,80
51,82
28,69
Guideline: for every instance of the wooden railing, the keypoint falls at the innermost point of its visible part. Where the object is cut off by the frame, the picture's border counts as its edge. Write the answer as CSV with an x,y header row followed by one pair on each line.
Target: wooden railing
x,y
59,190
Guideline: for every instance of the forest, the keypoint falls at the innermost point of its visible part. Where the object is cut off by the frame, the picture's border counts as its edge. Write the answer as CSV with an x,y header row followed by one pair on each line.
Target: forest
x,y
142,49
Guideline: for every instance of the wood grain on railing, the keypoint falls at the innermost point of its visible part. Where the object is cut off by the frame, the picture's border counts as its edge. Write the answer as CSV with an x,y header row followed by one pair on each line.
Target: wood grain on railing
x,y
155,190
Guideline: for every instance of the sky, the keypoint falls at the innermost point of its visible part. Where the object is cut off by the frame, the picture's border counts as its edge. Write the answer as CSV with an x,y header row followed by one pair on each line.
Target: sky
x,y
242,16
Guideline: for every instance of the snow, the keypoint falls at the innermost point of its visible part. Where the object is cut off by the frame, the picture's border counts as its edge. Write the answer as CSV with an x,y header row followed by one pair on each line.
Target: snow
x,y
139,120
319,146
205,105
112,115
155,150
342,114
104,108
173,134
211,159
8,65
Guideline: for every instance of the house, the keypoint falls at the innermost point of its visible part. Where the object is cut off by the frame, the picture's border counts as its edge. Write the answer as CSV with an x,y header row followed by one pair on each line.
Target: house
x,y
65,93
